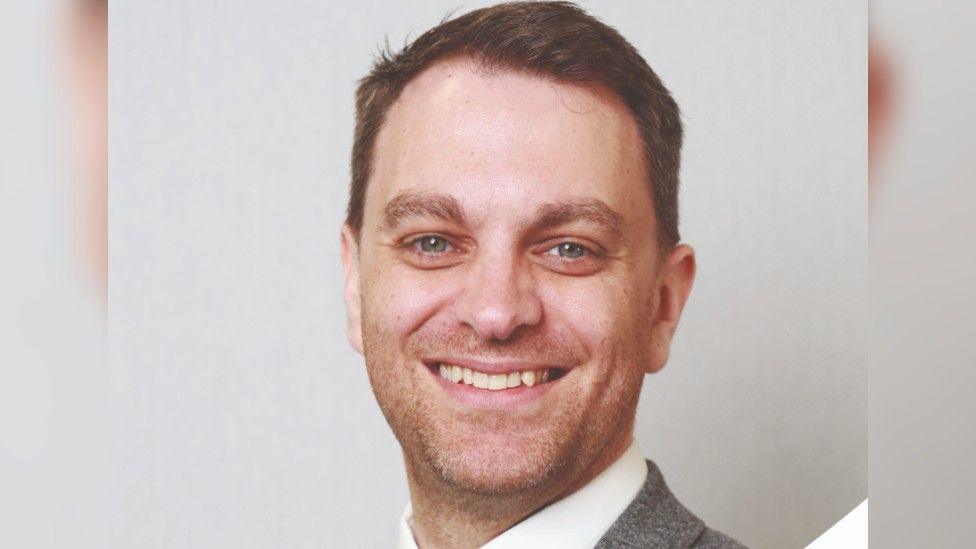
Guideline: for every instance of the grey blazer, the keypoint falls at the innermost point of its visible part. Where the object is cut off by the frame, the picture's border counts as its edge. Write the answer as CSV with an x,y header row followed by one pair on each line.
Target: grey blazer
x,y
655,519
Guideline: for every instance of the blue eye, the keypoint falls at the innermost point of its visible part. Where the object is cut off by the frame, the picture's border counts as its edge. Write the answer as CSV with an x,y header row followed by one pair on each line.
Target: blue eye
x,y
432,244
568,250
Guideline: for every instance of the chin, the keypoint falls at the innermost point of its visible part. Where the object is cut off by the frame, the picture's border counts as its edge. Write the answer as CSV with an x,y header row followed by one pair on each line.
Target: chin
x,y
496,466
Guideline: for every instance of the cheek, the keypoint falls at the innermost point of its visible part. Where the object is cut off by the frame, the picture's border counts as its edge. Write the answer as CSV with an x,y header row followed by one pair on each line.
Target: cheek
x,y
589,308
609,315
398,300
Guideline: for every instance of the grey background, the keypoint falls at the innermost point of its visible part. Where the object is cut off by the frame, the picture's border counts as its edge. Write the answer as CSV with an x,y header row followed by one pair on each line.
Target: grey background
x,y
923,441
53,412
242,417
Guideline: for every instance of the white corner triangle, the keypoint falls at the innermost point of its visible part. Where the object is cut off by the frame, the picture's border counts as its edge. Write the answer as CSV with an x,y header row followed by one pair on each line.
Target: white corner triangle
x,y
849,532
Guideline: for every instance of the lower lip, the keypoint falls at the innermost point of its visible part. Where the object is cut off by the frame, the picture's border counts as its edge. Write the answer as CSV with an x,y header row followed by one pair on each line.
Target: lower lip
x,y
502,399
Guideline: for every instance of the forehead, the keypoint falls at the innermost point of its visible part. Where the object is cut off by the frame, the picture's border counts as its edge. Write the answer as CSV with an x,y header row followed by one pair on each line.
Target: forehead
x,y
490,137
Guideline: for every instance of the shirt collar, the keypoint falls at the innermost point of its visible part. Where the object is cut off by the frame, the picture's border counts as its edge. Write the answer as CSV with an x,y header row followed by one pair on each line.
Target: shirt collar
x,y
578,520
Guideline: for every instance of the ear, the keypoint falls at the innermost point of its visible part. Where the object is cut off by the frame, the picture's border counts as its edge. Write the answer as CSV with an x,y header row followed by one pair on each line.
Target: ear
x,y
674,286
350,266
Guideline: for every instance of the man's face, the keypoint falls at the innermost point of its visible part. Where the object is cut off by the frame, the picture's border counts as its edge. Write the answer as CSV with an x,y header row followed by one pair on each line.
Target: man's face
x,y
509,237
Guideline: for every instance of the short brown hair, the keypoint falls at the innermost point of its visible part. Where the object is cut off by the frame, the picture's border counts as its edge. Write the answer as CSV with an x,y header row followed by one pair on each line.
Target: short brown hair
x,y
555,40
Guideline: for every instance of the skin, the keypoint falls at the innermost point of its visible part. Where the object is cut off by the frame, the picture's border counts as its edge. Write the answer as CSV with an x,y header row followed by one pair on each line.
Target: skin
x,y
880,84
87,64
503,148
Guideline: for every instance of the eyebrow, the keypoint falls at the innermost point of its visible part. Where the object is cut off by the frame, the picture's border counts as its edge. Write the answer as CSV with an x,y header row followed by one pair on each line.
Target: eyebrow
x,y
407,204
588,210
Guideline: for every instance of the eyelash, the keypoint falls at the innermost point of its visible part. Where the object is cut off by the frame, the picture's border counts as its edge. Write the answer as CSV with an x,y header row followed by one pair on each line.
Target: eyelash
x,y
588,252
416,243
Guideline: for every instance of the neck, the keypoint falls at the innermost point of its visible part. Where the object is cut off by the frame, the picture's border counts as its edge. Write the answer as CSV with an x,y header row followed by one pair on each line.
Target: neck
x,y
447,517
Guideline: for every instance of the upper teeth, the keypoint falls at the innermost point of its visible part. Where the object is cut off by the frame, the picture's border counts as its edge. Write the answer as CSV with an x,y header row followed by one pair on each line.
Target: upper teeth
x,y
492,382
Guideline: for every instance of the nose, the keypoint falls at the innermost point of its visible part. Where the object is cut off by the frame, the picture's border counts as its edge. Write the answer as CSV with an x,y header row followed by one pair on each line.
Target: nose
x,y
499,297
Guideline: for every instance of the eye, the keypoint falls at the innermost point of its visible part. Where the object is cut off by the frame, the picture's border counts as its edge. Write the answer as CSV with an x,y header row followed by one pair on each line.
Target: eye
x,y
432,244
568,250
433,251
576,257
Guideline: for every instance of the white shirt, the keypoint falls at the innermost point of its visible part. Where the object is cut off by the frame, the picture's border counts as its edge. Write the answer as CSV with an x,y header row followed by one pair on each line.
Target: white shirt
x,y
578,520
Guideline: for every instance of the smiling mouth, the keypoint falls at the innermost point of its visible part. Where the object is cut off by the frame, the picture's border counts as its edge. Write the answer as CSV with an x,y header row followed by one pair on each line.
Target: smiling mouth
x,y
454,373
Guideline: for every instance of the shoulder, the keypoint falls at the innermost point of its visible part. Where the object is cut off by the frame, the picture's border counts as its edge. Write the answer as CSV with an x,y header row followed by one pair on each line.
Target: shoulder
x,y
655,518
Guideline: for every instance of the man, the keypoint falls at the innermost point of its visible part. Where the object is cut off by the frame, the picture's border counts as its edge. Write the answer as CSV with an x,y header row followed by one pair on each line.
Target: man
x,y
513,270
